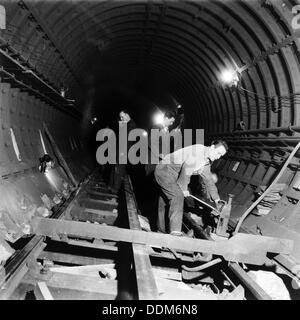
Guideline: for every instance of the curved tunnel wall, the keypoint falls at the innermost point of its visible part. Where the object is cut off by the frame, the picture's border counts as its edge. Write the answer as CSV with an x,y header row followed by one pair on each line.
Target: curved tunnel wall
x,y
187,44
24,190
191,42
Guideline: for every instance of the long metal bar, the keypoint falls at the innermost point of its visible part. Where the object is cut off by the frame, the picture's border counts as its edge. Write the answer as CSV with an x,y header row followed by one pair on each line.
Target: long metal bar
x,y
257,291
203,266
213,209
16,267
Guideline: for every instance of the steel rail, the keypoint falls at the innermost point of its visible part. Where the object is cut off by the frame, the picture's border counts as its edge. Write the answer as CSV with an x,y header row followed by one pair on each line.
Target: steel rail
x,y
146,285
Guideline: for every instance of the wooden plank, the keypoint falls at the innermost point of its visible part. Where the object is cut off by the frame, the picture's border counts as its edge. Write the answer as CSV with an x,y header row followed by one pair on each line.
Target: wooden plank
x,y
72,259
97,183
167,274
243,248
42,292
102,195
60,156
97,204
92,215
88,270
94,245
93,271
99,189
112,202
76,282
63,257
68,294
102,212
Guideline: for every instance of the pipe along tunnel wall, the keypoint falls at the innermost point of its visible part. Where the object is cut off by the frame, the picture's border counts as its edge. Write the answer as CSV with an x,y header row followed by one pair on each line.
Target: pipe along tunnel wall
x,y
184,46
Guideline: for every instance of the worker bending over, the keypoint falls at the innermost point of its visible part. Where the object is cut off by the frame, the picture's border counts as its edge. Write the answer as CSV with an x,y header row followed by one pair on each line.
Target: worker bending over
x,y
173,176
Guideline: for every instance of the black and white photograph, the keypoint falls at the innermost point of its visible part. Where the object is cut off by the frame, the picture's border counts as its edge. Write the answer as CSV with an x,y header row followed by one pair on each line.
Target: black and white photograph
x,y
149,154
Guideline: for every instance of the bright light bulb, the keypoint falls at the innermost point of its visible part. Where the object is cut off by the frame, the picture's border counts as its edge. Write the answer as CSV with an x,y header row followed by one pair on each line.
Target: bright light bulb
x,y
229,76
158,118
94,120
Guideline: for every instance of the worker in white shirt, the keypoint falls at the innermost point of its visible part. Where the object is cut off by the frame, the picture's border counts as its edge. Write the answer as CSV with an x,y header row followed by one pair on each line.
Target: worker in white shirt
x,y
173,176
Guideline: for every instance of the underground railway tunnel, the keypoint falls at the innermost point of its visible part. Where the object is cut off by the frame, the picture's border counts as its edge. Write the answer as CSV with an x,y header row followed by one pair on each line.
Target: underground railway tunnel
x,y
231,68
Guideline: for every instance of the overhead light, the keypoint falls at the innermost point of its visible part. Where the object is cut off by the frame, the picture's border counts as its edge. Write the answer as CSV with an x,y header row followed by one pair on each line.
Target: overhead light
x,y
62,92
229,77
158,118
94,120
46,163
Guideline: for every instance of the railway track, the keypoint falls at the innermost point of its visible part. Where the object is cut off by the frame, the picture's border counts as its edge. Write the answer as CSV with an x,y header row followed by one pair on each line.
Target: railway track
x,y
93,247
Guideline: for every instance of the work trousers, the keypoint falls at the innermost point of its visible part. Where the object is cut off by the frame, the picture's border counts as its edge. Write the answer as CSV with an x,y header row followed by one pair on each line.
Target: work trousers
x,y
171,200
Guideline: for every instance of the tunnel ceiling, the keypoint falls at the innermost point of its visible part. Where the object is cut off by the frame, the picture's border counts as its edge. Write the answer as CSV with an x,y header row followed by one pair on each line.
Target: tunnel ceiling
x,y
183,45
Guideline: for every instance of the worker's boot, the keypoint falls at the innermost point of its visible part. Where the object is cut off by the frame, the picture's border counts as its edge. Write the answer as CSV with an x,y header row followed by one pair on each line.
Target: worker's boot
x,y
176,233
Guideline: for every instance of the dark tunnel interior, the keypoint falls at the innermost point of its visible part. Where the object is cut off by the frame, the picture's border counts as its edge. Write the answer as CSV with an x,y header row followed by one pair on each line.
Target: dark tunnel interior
x,y
68,67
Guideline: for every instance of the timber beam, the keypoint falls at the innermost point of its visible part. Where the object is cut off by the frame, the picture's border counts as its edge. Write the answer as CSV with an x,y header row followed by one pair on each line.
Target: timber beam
x,y
244,248
75,282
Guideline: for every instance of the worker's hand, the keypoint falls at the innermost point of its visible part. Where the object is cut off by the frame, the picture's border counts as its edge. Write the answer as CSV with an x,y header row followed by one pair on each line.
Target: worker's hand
x,y
186,193
219,204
